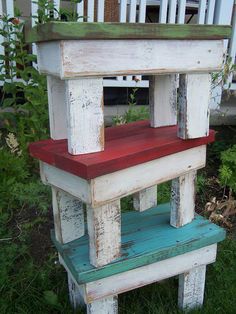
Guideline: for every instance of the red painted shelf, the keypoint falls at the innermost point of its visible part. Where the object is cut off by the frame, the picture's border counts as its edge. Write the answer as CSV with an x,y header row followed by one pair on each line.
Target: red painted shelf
x,y
125,146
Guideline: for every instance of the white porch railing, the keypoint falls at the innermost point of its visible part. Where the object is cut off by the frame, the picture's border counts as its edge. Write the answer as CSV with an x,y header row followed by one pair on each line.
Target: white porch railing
x,y
170,11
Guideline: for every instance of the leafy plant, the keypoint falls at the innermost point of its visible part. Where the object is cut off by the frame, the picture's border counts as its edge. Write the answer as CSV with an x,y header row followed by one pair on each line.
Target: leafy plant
x,y
228,168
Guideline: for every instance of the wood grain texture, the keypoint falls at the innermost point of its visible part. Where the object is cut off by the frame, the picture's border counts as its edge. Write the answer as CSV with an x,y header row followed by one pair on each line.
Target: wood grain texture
x,y
191,288
148,274
85,121
145,199
104,231
147,237
107,305
68,215
125,146
183,199
85,58
71,30
100,190
57,108
194,98
163,100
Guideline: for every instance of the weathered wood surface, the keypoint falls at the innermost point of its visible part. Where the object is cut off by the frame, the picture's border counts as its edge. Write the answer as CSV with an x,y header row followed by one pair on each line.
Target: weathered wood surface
x,y
71,59
147,238
107,305
100,190
145,199
148,274
57,108
183,199
194,98
126,146
72,30
85,120
163,100
68,215
191,288
104,231
76,299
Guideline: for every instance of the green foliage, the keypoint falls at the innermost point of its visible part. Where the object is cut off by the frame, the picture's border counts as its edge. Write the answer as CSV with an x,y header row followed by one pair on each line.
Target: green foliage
x,y
134,113
228,168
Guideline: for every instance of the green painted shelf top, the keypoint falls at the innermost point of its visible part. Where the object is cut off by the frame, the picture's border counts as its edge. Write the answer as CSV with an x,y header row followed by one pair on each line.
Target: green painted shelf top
x,y
75,30
147,237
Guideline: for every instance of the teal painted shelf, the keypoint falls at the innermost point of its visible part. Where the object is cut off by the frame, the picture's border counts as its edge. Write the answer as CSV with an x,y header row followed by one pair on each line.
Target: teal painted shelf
x,y
147,237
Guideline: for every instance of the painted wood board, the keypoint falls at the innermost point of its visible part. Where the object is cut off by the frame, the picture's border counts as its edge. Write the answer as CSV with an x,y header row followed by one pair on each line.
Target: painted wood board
x,y
85,119
104,306
125,146
147,237
72,30
145,199
103,189
128,57
104,233
148,274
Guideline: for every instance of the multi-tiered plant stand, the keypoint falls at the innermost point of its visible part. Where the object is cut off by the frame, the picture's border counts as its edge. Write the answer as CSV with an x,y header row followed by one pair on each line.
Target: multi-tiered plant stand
x,y
112,252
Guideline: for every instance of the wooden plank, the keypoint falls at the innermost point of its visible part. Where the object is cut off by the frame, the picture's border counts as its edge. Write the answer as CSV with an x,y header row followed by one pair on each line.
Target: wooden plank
x,y
90,10
163,100
107,305
80,10
145,199
57,108
172,11
194,112
126,146
183,199
148,274
202,11
147,238
132,11
85,121
100,10
163,11
73,30
68,215
142,11
100,190
210,11
128,57
191,288
181,11
104,231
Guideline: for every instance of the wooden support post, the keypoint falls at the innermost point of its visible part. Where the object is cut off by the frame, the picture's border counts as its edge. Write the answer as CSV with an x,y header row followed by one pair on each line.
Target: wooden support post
x,y
107,305
57,108
183,199
85,121
145,199
104,228
191,288
194,97
68,215
163,100
75,296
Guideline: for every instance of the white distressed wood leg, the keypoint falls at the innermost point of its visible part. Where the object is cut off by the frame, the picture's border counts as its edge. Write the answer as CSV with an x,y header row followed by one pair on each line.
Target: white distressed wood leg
x,y
163,100
68,215
183,199
194,98
85,120
104,228
76,298
145,199
191,288
57,107
107,305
